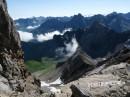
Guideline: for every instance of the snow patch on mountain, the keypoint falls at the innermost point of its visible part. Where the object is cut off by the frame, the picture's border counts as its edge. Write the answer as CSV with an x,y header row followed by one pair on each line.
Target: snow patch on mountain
x,y
52,88
56,82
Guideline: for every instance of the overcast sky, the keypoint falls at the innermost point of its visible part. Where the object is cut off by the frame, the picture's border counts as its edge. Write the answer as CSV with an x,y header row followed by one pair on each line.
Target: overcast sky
x,y
29,8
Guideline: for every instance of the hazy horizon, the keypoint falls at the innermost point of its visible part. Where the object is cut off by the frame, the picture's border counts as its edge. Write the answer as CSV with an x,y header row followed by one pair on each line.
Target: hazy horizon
x,y
58,8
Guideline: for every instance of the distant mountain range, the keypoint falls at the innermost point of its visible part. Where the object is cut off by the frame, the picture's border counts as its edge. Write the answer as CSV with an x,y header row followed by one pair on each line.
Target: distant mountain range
x,y
98,35
97,41
117,21
29,24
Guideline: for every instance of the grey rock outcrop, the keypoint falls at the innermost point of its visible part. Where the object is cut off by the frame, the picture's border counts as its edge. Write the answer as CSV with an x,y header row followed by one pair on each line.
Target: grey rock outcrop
x,y
111,78
114,77
14,78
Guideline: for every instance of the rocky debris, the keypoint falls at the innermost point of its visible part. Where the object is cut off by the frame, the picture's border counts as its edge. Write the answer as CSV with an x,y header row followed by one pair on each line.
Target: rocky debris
x,y
110,79
4,85
100,85
15,80
76,66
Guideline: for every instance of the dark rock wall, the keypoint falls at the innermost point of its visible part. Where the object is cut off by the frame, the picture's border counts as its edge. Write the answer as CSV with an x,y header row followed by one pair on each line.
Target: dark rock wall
x,y
12,66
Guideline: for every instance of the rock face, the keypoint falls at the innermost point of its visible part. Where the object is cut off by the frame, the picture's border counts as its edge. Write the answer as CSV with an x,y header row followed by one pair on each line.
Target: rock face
x,y
119,22
109,79
76,66
97,41
14,78
83,77
101,40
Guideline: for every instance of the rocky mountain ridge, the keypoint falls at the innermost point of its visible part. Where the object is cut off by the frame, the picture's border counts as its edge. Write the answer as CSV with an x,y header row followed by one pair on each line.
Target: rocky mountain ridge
x,y
100,41
116,21
15,80
110,78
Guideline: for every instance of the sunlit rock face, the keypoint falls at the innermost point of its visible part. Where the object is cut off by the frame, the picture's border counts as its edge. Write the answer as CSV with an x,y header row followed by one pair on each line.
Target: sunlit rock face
x,y
13,75
110,78
9,38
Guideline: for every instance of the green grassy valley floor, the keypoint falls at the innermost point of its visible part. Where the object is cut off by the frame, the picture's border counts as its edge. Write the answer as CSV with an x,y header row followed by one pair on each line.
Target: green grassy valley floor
x,y
46,65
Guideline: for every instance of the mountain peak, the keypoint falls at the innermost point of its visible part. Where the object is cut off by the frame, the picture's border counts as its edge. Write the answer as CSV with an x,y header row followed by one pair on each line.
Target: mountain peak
x,y
78,16
77,21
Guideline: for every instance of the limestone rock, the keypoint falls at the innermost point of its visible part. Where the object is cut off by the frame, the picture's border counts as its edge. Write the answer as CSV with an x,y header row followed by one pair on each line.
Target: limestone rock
x,y
13,75
109,79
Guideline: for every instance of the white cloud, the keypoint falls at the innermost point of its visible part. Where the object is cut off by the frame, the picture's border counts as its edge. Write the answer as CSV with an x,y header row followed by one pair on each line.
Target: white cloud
x,y
17,24
60,52
47,36
33,27
26,36
50,35
71,47
67,29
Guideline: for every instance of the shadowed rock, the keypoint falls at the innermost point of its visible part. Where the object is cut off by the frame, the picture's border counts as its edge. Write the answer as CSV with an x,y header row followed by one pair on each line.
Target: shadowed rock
x,y
14,78
76,66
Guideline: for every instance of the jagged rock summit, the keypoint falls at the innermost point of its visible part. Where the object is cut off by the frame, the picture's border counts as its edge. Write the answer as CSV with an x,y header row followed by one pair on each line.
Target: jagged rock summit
x,y
15,80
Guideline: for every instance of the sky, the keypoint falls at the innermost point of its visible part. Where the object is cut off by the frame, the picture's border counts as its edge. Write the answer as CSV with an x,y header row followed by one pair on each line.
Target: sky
x,y
30,8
